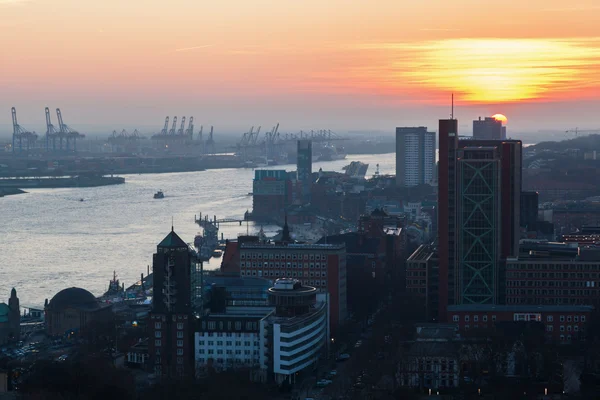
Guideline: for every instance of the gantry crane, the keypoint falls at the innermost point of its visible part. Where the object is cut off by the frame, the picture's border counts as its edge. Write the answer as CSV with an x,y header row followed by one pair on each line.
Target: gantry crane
x,y
182,127
66,132
21,134
189,132
51,132
210,142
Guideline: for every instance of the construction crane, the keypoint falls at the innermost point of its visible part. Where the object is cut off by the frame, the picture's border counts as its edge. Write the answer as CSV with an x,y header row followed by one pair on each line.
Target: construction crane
x,y
67,132
189,132
51,132
210,142
576,132
20,133
182,127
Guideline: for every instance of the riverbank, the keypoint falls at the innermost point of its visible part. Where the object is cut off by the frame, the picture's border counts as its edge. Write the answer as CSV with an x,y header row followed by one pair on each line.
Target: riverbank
x,y
10,191
51,183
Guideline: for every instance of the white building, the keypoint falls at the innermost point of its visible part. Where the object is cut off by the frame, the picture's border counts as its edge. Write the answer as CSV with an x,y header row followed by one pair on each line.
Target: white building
x,y
274,342
415,156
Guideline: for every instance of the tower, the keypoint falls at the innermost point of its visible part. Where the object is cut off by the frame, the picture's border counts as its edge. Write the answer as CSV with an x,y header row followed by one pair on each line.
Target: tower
x,y
415,156
171,322
14,317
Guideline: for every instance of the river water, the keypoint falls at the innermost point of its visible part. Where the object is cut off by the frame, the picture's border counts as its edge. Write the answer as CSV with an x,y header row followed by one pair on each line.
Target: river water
x,y
50,240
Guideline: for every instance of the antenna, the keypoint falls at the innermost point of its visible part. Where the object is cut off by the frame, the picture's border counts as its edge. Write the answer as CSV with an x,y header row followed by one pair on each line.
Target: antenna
x,y
172,219
452,109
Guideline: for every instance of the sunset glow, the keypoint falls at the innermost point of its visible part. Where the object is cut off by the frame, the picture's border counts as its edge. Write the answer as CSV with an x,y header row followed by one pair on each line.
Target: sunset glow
x,y
301,59
500,117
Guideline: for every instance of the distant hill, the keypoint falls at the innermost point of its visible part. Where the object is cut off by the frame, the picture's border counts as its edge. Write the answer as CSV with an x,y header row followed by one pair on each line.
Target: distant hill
x,y
585,143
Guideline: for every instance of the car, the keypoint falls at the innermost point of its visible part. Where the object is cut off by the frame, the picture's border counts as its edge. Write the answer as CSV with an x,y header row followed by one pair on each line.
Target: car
x,y
343,357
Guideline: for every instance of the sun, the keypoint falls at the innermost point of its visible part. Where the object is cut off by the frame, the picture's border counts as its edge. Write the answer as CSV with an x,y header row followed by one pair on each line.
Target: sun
x,y
500,117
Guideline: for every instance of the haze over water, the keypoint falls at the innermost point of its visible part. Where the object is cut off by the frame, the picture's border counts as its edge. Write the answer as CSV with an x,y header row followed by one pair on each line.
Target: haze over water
x,y
51,240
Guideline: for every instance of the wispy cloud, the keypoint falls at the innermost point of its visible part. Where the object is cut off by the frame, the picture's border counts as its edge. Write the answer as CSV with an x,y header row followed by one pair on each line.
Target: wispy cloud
x,y
194,48
480,70
572,9
14,2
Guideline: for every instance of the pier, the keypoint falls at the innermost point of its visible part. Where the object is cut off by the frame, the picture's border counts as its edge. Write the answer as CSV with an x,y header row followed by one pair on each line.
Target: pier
x,y
214,223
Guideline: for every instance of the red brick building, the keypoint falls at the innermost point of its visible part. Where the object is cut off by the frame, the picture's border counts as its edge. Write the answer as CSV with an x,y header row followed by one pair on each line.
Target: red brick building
x,y
562,323
322,266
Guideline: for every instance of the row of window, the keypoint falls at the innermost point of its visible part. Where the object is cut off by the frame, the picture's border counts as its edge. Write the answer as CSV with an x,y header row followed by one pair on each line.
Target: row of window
x,y
158,334
553,275
484,318
212,325
227,343
416,282
202,360
555,267
230,334
283,265
416,273
524,317
158,343
559,283
220,351
283,274
555,292
536,300
158,325
285,256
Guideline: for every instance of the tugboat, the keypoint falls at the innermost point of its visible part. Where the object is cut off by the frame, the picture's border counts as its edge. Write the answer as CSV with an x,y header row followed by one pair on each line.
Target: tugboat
x,y
159,195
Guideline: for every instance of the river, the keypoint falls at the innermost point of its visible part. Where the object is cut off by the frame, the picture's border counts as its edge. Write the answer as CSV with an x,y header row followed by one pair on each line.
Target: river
x,y
50,240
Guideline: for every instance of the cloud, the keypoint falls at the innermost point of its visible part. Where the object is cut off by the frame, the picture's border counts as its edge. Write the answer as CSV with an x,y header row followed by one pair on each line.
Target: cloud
x,y
572,9
194,48
479,70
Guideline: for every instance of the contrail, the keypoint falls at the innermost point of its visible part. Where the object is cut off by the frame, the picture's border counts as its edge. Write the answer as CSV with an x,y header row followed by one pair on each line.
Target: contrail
x,y
195,47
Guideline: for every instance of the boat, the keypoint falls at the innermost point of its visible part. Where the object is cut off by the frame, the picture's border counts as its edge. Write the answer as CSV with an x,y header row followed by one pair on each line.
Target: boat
x,y
81,199
330,153
159,195
217,253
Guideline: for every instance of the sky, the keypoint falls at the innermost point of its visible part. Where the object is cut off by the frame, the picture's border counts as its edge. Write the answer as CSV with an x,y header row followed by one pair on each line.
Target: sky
x,y
311,64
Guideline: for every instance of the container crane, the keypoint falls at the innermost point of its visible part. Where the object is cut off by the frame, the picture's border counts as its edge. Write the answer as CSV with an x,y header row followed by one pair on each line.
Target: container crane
x,y
173,127
67,132
20,133
165,129
182,127
576,132
210,142
51,132
190,129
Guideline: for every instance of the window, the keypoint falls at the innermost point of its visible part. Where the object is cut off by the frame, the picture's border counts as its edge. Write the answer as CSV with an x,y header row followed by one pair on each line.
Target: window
x,y
180,343
549,328
157,325
179,334
219,351
569,328
238,325
576,328
568,318
549,318
212,325
562,318
485,318
583,318
576,318
179,352
455,318
228,343
494,318
562,328
201,342
179,360
158,334
466,318
157,343
201,351
476,318
180,325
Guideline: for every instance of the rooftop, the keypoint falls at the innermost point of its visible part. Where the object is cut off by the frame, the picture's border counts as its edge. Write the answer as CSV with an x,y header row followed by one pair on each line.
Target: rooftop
x,y
293,246
172,240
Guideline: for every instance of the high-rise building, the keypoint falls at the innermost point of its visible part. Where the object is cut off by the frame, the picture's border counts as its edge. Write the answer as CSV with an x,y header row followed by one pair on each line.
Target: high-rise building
x,y
488,128
478,219
415,156
171,321
529,210
304,168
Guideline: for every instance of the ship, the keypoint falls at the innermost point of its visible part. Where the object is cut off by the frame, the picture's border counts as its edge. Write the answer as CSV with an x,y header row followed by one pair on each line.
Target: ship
x,y
331,153
159,195
114,287
356,169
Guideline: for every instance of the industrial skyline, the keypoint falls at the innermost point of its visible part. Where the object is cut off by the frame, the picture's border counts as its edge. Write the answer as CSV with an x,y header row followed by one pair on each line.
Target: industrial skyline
x,y
354,66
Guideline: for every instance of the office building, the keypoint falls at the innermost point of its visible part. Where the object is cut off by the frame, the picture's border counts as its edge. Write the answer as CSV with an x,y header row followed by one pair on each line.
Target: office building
x,y
322,266
478,218
488,128
271,193
275,341
529,211
304,168
171,320
415,156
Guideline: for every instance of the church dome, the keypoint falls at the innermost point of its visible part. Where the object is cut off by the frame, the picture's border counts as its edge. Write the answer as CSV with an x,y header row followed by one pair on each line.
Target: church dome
x,y
73,298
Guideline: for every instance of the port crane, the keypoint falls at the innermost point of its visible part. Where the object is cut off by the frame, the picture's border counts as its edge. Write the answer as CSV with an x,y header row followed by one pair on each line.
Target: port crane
x,y
182,127
210,142
189,132
51,132
66,132
173,127
21,134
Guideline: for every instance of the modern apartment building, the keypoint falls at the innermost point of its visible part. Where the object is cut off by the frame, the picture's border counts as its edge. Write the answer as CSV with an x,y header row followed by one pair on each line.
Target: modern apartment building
x,y
415,156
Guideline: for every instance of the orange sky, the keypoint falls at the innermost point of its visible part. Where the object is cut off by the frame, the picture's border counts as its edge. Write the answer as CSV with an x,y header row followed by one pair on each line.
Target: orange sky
x,y
340,63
